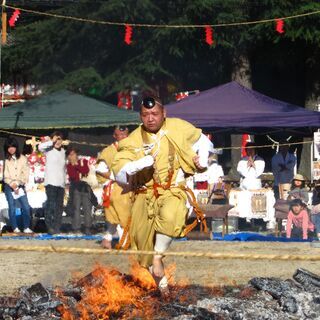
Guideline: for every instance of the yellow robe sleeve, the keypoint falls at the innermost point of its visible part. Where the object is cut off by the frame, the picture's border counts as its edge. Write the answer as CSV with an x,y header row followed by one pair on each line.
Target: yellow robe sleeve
x,y
130,149
107,155
183,135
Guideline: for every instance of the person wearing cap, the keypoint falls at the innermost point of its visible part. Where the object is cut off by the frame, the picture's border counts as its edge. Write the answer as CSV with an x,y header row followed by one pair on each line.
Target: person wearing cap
x,y
250,168
298,221
154,160
283,164
212,175
116,203
215,171
298,190
206,181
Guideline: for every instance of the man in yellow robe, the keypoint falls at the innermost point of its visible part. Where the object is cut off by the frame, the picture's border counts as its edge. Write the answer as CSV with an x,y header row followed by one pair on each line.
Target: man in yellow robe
x,y
154,160
116,202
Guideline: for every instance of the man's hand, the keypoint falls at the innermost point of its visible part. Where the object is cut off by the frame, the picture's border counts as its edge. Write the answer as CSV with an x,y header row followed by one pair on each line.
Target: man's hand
x,y
65,142
13,185
196,161
250,163
105,175
144,162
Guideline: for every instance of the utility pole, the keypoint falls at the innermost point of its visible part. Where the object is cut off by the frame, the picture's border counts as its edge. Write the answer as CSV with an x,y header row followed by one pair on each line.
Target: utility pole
x,y
3,41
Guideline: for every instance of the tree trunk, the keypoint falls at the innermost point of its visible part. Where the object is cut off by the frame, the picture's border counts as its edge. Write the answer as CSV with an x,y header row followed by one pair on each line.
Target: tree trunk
x,y
242,74
311,102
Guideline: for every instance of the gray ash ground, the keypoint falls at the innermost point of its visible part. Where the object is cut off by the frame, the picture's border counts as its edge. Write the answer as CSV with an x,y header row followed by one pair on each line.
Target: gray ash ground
x,y
261,298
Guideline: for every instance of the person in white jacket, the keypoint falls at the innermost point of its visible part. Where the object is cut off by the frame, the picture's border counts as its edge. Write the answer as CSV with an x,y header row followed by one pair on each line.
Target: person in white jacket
x,y
250,168
54,181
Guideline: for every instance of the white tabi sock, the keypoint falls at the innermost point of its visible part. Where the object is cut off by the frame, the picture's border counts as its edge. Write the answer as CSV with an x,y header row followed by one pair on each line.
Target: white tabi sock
x,y
119,231
162,242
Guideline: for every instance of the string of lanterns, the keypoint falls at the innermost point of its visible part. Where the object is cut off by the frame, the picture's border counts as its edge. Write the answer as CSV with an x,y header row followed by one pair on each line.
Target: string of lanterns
x,y
128,28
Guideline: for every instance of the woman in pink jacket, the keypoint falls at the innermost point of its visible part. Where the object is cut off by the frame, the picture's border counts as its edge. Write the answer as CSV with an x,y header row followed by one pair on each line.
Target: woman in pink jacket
x,y
298,222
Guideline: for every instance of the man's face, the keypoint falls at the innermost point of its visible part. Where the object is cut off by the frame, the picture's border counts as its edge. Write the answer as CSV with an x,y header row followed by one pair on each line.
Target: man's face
x,y
284,149
120,134
58,142
251,152
153,118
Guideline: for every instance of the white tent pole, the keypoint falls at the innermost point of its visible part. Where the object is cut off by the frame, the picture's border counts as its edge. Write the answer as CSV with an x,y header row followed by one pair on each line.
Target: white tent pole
x,y
311,160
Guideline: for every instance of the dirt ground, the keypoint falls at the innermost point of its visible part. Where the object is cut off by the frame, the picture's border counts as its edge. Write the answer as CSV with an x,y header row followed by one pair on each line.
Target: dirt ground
x,y
19,268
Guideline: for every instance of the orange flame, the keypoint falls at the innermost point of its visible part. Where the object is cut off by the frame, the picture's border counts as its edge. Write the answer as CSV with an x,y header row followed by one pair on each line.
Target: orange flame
x,y
108,292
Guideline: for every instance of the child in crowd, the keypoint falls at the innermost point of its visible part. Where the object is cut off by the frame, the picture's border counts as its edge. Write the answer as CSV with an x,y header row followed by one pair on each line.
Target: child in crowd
x,y
315,211
298,190
16,175
298,221
54,181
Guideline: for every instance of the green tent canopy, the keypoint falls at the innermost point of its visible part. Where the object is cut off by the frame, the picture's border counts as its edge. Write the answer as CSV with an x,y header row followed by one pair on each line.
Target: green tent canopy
x,y
64,109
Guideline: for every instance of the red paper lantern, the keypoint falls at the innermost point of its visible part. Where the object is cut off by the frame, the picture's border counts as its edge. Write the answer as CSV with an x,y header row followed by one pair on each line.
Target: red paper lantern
x,y
279,26
209,35
13,19
128,34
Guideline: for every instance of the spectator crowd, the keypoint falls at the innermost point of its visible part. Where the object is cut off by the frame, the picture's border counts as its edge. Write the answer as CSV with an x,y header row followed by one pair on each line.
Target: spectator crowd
x,y
63,164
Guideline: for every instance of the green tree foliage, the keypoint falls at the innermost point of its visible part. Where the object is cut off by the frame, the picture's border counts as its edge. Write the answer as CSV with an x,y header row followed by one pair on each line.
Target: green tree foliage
x,y
93,57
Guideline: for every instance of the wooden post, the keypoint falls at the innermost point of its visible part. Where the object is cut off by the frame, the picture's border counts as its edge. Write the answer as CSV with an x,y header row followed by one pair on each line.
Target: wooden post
x,y
33,142
4,28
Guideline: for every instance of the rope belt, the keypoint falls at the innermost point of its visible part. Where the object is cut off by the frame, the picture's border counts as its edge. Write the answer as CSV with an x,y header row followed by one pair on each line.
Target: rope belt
x,y
107,194
125,242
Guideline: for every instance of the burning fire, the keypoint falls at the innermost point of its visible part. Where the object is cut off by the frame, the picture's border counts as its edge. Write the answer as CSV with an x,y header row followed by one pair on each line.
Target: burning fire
x,y
107,292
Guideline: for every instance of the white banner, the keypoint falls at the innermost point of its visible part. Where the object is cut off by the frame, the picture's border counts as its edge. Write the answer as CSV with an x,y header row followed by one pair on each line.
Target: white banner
x,y
316,143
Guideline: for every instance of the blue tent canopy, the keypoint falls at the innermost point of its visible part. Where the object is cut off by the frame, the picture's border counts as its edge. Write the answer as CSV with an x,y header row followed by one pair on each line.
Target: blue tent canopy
x,y
238,108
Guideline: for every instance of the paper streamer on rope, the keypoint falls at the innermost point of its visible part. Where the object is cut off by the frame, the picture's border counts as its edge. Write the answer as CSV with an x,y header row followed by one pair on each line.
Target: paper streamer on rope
x,y
209,35
13,19
279,26
245,139
128,34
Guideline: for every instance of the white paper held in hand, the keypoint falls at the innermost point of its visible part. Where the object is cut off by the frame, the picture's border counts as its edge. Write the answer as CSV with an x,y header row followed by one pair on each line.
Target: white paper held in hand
x,y
102,167
144,162
19,194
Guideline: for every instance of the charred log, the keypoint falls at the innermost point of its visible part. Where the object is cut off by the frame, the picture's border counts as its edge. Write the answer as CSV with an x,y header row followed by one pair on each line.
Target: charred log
x,y
309,281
